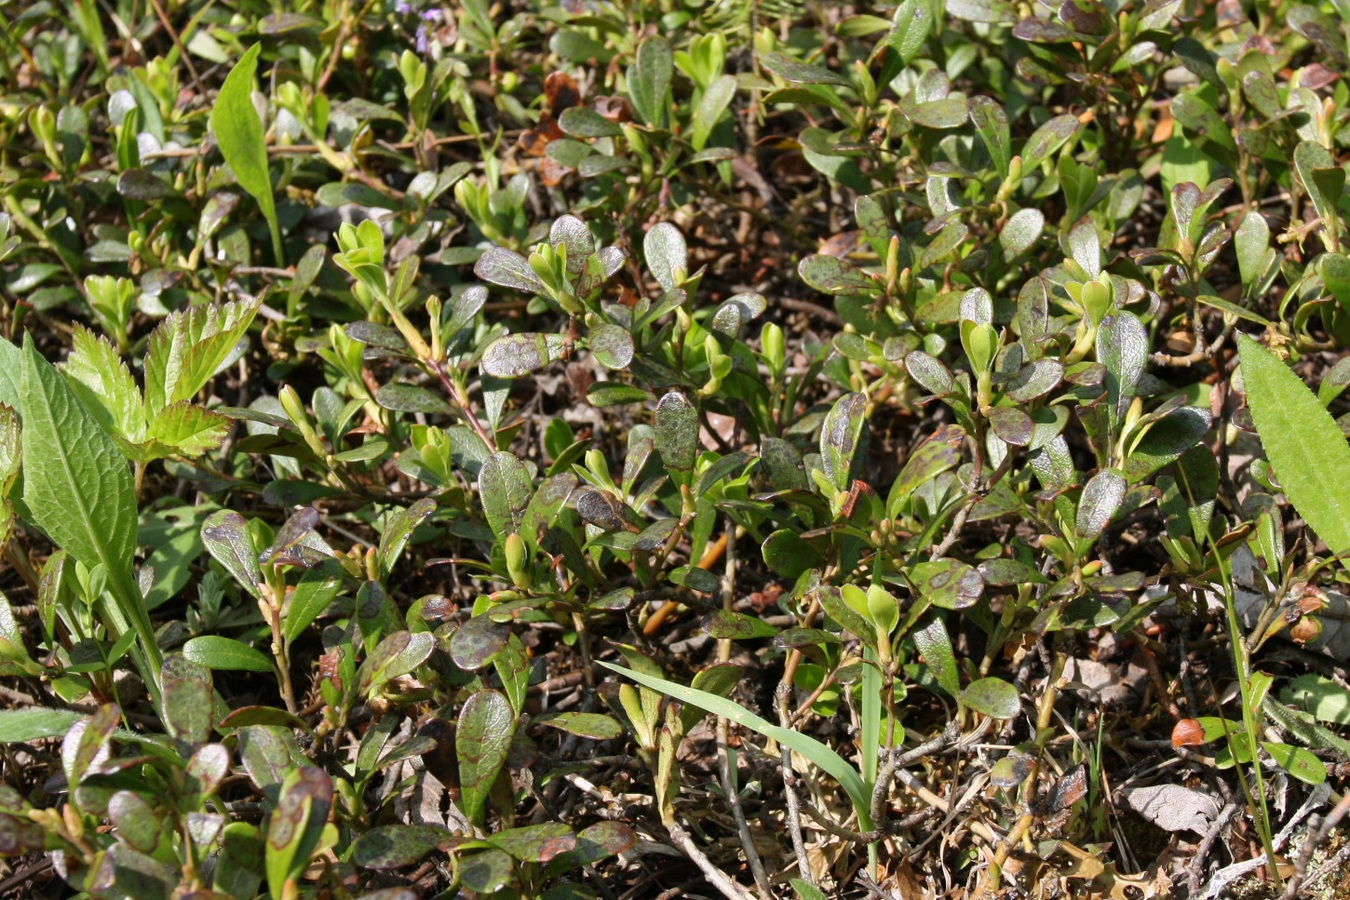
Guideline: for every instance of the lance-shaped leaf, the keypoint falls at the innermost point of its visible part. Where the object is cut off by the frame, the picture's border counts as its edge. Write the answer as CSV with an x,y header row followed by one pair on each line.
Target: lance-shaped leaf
x,y
486,728
1302,442
78,489
239,132
821,755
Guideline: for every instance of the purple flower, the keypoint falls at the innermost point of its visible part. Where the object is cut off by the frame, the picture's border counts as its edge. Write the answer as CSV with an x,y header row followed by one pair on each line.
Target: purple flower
x,y
403,7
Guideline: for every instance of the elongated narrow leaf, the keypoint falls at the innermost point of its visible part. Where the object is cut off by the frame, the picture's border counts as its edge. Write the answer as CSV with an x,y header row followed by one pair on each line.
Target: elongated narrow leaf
x,y
76,484
239,132
819,754
1303,443
486,727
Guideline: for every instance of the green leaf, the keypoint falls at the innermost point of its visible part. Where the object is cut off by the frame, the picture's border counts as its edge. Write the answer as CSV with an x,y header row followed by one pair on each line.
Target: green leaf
x,y
188,698
18,726
1324,698
504,489
396,846
710,108
1122,346
1047,139
588,725
239,132
935,644
519,354
1302,442
486,728
1251,240
226,537
1300,763
991,124
1102,496
649,80
486,872
821,755
729,625
806,891
841,438
535,843
677,431
216,652
795,72
315,593
666,254
992,697
190,346
104,384
187,429
295,826
912,21
78,489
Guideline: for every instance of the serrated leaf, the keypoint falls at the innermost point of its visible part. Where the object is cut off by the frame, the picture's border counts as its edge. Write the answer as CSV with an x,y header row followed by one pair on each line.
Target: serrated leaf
x,y
188,429
190,346
104,384
1302,442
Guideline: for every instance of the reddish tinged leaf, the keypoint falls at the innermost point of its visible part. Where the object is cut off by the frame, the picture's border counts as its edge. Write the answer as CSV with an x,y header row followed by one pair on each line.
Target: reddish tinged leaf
x,y
486,727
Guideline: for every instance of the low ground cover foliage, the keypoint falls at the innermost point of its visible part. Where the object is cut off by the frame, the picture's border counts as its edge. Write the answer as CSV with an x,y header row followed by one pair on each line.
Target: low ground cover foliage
x,y
742,448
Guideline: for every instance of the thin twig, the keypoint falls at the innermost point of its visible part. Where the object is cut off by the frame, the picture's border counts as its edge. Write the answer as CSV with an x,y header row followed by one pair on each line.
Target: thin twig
x,y
794,805
716,877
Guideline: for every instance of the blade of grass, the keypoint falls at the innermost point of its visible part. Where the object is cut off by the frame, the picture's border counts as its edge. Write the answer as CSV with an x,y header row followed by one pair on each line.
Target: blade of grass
x,y
819,754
